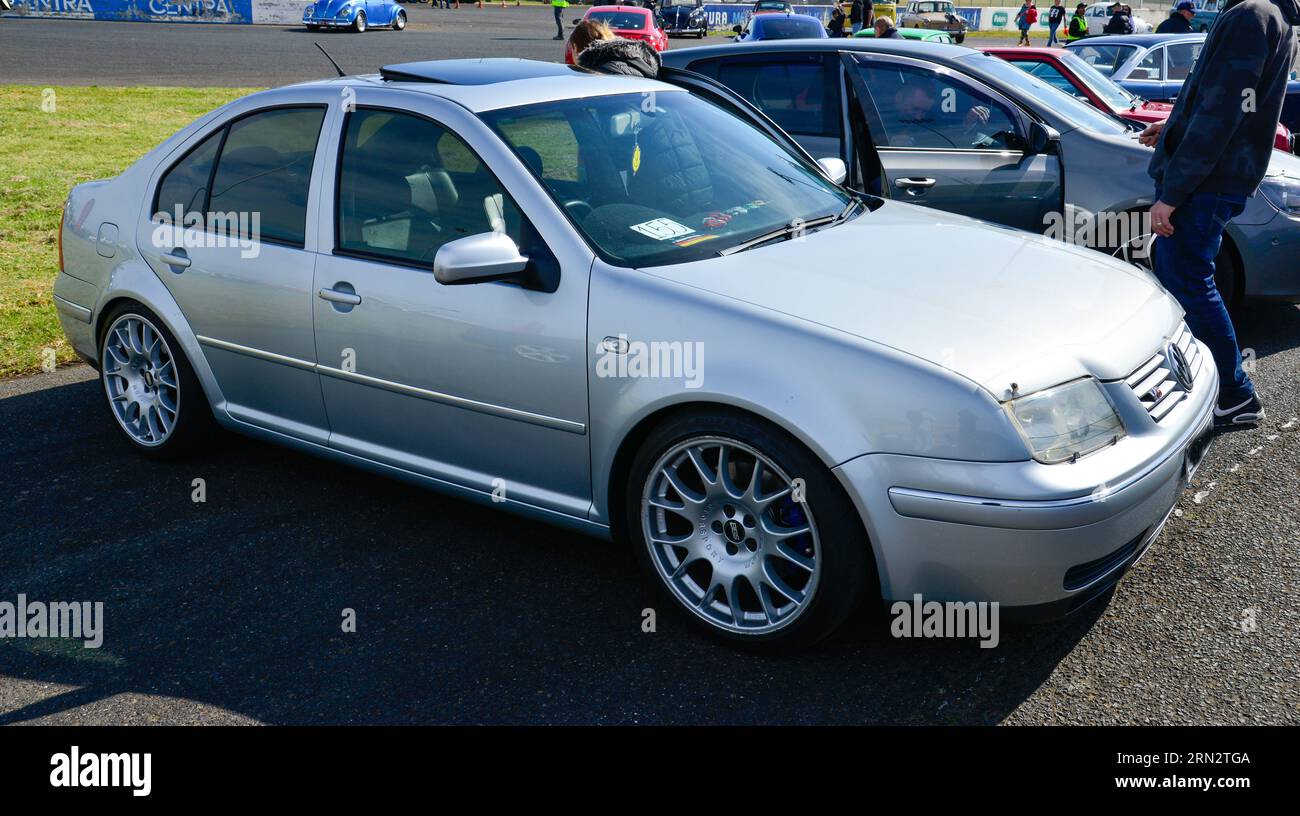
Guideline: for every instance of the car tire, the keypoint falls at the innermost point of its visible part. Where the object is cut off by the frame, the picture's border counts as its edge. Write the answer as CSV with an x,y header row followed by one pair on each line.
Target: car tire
x,y
161,416
399,22
959,38
359,24
742,574
313,27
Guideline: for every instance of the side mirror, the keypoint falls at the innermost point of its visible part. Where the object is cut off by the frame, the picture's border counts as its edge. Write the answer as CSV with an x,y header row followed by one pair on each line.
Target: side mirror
x,y
488,256
1042,139
835,168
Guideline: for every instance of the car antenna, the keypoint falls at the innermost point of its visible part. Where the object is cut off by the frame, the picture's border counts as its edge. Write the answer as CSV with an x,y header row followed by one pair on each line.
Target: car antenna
x,y
331,59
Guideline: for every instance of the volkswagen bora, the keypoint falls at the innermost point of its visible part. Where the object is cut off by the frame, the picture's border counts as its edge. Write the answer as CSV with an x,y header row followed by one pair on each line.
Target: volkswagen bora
x,y
618,305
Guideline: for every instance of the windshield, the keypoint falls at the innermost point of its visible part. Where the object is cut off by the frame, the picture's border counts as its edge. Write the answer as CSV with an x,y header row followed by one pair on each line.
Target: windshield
x,y
1100,84
1105,58
1077,113
664,177
787,28
933,8
620,20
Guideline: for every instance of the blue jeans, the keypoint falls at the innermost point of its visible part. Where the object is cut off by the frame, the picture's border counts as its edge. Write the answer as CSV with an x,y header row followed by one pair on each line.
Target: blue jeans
x,y
1051,34
1185,266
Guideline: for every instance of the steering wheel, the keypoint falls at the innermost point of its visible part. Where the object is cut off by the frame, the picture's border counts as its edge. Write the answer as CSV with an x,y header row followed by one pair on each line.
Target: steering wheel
x,y
578,208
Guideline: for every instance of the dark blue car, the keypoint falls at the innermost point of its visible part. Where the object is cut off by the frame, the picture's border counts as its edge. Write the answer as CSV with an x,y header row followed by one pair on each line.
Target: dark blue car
x,y
778,26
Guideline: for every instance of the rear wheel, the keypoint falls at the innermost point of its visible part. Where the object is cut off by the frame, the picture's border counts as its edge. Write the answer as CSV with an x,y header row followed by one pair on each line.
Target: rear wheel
x,y
746,531
151,388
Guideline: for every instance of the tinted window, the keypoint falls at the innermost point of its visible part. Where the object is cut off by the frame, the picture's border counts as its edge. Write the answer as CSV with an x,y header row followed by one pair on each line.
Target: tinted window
x,y
801,94
1181,57
265,168
185,186
921,108
408,186
787,28
620,20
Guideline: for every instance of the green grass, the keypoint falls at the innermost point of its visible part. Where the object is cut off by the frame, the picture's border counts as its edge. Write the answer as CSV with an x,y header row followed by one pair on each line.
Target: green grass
x,y
85,134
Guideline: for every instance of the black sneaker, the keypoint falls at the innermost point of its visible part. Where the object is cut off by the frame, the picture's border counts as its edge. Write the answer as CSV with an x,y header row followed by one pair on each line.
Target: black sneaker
x,y
1244,413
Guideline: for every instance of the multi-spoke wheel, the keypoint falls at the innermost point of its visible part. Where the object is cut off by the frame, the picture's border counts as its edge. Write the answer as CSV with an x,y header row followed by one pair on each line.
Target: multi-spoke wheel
x,y
746,530
151,389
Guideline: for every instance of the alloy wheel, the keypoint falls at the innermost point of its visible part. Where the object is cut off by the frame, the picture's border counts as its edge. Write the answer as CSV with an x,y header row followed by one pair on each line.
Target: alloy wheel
x,y
730,536
141,380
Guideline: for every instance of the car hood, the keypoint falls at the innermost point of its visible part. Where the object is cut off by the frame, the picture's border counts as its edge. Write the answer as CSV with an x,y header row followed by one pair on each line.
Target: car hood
x,y
328,8
995,305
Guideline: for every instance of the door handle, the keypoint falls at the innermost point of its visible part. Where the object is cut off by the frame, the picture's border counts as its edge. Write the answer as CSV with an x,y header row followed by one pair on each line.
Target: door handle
x,y
176,257
337,296
915,183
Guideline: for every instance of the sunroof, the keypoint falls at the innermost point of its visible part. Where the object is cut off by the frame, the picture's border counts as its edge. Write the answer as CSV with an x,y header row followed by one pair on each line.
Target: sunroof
x,y
474,71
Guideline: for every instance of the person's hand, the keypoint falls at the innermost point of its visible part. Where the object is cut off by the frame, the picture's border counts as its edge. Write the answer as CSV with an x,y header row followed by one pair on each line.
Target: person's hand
x,y
979,115
1151,135
1162,219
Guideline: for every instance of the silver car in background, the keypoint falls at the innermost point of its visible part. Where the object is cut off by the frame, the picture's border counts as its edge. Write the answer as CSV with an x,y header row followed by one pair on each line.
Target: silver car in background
x,y
1043,161
610,304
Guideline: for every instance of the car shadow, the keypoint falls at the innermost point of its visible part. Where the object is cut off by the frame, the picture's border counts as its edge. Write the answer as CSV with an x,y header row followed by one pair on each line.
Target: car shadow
x,y
464,614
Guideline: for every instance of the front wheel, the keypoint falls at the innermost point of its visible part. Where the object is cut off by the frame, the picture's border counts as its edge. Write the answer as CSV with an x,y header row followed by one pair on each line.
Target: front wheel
x,y
359,24
399,22
151,388
959,38
741,527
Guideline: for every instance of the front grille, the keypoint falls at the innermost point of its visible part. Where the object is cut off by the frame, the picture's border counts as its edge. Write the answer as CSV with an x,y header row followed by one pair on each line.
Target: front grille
x,y
1154,383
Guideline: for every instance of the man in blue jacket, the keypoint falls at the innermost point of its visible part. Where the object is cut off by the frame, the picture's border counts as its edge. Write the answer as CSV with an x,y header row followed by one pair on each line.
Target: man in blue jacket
x,y
1211,154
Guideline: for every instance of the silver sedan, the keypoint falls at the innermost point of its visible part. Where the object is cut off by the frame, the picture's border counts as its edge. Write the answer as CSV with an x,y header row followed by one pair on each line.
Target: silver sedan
x,y
610,304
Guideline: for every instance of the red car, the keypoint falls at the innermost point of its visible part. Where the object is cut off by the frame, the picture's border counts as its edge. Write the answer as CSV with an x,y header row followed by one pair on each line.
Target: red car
x,y
1070,73
628,23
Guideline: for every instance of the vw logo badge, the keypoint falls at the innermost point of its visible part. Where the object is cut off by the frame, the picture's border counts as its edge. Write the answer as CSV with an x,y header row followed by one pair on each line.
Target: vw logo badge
x,y
1178,366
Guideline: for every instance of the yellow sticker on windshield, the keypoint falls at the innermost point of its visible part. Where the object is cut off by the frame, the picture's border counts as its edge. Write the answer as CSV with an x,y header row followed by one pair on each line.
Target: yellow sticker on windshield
x,y
636,159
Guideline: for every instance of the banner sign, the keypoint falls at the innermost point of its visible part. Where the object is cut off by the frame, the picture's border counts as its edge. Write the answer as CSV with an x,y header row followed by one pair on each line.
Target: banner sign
x,y
180,11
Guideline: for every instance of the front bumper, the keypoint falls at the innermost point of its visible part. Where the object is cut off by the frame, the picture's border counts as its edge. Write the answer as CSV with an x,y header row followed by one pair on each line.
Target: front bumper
x,y
329,22
1042,539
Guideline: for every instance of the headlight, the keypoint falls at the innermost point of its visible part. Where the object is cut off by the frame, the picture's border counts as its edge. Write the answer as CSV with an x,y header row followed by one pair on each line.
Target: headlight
x,y
307,11
344,11
1282,192
1061,424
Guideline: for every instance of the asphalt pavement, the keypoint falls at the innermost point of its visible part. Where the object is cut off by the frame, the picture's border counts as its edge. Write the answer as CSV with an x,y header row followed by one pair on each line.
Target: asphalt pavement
x,y
231,610
85,52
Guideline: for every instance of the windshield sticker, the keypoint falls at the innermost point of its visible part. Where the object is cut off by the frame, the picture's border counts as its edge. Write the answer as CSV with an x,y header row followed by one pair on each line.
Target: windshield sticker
x,y
693,240
662,229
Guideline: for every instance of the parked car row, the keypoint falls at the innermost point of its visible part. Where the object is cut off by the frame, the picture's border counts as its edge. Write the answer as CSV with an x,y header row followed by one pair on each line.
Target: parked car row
x,y
461,267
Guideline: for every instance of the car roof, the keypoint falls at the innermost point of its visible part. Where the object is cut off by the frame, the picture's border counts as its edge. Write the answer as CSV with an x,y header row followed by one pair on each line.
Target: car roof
x,y
513,82
1141,40
616,7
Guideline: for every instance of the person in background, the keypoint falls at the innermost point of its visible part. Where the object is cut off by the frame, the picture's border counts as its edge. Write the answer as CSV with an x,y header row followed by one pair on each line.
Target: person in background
x,y
1119,22
838,19
1210,155
1025,18
1179,20
1077,28
559,6
886,30
1055,16
616,56
855,16
584,34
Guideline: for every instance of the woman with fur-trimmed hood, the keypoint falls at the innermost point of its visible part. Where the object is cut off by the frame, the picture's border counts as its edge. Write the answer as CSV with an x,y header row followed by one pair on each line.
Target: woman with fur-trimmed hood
x,y
626,57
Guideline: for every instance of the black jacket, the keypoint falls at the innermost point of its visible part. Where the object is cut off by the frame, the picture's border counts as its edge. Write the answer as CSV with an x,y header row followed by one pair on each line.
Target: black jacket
x,y
1220,135
1120,23
855,12
1175,24
628,57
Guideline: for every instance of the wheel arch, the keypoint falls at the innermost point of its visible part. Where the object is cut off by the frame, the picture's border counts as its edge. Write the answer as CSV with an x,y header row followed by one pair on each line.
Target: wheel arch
x,y
130,284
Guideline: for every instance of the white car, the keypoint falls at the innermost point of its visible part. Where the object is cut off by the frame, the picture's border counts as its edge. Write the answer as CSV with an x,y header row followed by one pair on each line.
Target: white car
x,y
1099,14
